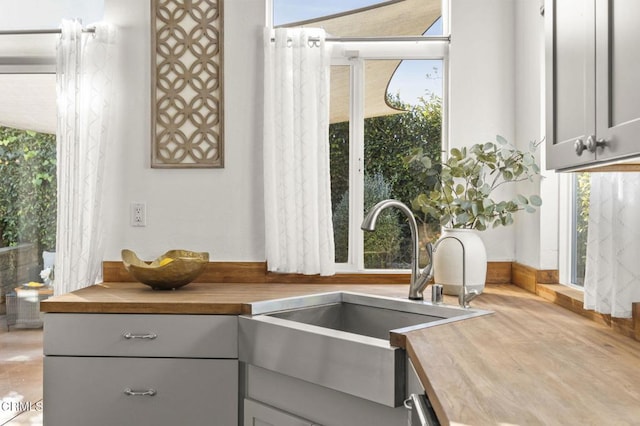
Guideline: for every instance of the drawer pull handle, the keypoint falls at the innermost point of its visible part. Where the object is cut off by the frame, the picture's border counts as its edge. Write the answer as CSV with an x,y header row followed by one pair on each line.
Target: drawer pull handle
x,y
149,336
149,392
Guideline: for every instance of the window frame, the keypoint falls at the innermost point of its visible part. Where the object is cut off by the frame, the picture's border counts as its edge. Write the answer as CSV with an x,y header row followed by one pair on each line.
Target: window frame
x,y
354,55
566,212
353,52
567,242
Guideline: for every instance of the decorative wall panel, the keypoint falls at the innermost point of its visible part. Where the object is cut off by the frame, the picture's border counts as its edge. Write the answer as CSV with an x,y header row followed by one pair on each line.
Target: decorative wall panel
x,y
187,90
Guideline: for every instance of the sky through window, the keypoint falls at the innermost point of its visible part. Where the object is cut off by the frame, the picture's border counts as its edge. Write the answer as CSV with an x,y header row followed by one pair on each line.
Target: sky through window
x,y
412,80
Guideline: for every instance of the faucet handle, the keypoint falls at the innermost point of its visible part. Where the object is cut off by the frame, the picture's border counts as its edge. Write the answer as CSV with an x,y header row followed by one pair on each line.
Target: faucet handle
x,y
430,251
467,296
429,268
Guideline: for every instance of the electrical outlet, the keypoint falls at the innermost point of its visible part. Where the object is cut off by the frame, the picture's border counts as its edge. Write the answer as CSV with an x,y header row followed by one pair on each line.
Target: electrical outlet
x,y
138,214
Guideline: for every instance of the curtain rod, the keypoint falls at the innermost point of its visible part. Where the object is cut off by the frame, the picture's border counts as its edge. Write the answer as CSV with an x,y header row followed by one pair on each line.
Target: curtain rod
x,y
398,38
42,31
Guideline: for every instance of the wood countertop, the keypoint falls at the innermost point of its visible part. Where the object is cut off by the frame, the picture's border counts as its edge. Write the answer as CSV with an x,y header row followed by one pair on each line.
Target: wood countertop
x,y
529,363
195,298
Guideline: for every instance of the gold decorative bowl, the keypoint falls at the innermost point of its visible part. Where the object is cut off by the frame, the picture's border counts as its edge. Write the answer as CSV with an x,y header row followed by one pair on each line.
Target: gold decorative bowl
x,y
173,269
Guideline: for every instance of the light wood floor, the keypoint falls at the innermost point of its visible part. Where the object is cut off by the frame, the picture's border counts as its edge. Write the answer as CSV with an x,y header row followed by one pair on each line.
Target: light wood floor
x,y
20,375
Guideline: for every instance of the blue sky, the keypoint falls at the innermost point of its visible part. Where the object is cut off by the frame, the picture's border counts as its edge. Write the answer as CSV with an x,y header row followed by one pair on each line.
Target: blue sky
x,y
286,11
410,80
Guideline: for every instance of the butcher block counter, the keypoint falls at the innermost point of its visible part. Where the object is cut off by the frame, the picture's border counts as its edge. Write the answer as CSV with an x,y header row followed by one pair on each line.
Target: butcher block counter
x,y
531,362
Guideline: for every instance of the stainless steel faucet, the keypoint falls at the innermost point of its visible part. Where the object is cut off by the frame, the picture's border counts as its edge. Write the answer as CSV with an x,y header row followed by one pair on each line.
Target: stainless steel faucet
x,y
465,296
419,280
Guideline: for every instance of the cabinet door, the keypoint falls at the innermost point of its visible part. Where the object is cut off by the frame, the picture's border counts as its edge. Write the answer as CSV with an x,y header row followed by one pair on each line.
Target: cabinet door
x,y
97,391
570,81
256,414
617,78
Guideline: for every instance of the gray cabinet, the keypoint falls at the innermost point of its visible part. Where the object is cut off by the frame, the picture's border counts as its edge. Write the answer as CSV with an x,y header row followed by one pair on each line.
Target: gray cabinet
x,y
107,369
256,414
593,93
314,403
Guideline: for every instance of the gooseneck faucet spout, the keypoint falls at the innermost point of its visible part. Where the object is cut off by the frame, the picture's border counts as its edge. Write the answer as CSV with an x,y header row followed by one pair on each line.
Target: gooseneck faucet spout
x,y
419,280
465,296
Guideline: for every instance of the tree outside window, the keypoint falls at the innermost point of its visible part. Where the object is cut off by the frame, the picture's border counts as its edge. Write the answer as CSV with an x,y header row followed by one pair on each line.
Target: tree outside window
x,y
27,202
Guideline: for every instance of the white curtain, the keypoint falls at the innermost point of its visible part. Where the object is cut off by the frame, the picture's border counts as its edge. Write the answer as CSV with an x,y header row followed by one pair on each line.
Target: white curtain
x,y
612,276
84,83
297,186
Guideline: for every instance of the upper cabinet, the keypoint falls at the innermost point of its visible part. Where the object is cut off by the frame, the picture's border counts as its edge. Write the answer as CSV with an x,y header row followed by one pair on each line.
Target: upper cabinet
x,y
593,93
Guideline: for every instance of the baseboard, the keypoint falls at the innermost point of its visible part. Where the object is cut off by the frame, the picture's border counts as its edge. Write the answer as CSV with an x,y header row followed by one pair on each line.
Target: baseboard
x,y
545,284
256,272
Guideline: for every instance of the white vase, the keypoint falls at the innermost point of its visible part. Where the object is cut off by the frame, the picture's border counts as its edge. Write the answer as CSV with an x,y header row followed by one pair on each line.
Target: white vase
x,y
447,260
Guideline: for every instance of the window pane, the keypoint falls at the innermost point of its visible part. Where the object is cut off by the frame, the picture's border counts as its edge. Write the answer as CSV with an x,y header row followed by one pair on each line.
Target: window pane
x,y
47,14
29,102
582,190
361,18
339,161
27,204
292,11
405,117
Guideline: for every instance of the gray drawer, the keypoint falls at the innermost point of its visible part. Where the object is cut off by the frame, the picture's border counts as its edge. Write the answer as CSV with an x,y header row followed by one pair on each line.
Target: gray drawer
x,y
81,391
139,335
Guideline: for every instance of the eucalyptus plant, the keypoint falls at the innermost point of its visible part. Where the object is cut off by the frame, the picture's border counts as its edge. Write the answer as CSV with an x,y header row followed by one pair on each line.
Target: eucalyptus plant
x,y
465,182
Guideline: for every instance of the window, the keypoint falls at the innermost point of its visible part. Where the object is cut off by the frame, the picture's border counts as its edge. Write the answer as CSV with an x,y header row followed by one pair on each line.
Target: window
x,y
573,209
387,98
581,191
27,134
28,204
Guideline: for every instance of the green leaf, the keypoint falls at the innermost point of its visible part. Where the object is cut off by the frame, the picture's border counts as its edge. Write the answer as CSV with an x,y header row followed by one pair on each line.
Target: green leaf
x,y
445,219
462,218
474,209
518,170
472,194
459,189
521,200
501,140
535,200
485,189
426,162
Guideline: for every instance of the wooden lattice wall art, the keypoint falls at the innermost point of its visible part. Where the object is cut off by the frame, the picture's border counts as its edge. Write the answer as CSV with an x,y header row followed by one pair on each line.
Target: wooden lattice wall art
x,y
187,89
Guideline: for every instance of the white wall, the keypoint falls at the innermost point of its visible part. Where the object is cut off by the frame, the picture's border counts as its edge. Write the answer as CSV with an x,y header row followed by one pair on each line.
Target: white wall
x,y
496,65
537,234
482,90
220,211
214,210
